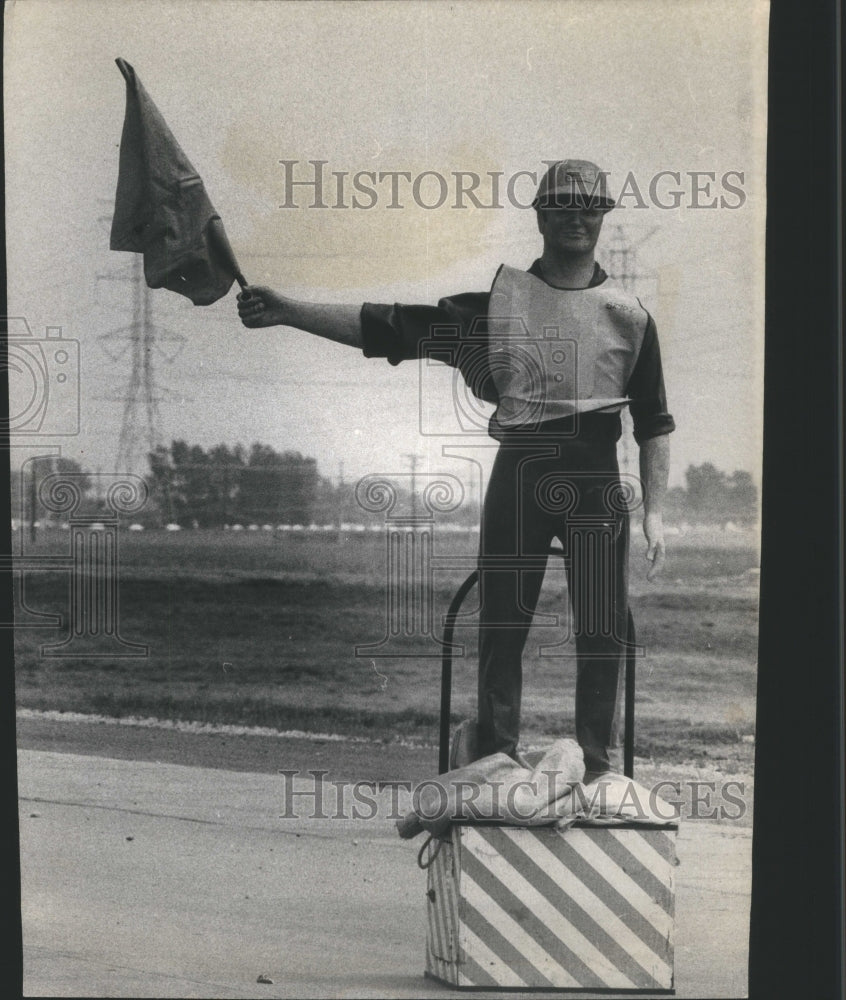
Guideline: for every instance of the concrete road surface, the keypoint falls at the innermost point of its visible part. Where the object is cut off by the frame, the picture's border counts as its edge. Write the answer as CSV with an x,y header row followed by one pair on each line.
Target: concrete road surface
x,y
149,879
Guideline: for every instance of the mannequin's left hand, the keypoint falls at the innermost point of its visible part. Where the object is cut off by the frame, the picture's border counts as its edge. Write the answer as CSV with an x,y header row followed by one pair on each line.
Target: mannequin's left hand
x,y
653,529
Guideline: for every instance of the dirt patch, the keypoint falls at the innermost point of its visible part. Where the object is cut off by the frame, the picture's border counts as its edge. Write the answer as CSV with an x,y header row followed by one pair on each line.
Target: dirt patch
x,y
261,754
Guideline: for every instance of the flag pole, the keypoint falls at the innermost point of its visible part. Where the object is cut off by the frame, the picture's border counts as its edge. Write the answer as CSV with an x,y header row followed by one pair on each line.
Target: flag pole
x,y
218,235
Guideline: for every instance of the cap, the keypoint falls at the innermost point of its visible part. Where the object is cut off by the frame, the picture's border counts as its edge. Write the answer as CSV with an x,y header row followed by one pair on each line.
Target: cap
x,y
569,183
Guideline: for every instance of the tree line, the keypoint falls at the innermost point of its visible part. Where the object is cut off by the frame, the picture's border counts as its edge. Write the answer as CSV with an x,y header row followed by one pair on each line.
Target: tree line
x,y
711,496
192,486
227,485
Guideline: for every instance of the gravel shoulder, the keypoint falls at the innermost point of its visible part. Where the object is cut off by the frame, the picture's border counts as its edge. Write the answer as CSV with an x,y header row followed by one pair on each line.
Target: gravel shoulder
x,y
708,790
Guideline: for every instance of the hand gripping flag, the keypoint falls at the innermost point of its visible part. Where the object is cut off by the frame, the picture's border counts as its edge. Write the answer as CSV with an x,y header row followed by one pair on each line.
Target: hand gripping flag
x,y
162,209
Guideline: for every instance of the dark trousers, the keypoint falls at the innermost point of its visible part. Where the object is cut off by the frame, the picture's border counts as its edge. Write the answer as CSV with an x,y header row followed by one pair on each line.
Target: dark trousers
x,y
569,489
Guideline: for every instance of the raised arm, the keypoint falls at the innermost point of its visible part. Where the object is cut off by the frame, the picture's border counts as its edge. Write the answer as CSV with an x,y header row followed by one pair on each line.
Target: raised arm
x,y
259,307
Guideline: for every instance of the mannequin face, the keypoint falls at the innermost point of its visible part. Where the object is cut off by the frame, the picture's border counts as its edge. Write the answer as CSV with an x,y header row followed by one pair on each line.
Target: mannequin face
x,y
568,231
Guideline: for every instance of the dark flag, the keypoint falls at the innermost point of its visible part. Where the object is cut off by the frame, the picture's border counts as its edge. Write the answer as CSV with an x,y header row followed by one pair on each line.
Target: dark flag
x,y
162,209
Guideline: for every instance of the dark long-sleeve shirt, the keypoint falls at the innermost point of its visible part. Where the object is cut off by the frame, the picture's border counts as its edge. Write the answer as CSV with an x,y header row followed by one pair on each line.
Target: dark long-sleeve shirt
x,y
456,332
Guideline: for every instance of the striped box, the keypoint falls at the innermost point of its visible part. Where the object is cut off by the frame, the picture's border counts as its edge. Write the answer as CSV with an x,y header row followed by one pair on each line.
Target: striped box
x,y
589,908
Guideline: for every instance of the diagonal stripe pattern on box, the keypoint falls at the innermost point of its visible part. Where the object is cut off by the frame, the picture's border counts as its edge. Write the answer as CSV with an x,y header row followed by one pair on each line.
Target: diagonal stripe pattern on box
x,y
585,908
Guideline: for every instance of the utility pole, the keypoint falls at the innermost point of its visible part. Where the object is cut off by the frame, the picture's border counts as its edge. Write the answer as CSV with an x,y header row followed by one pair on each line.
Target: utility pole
x,y
340,495
413,461
32,502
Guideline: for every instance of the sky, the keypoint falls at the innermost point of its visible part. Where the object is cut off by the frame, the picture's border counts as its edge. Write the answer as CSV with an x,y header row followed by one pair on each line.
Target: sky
x,y
638,87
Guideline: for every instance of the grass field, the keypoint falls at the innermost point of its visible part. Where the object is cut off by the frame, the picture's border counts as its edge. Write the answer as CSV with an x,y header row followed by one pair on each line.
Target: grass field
x,y
261,630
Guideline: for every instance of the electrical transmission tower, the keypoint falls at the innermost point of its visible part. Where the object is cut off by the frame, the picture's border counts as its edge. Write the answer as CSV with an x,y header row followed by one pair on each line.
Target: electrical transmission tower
x,y
622,251
622,256
140,431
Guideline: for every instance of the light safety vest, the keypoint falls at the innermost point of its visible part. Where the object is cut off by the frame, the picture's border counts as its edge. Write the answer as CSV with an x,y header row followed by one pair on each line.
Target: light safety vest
x,y
555,352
